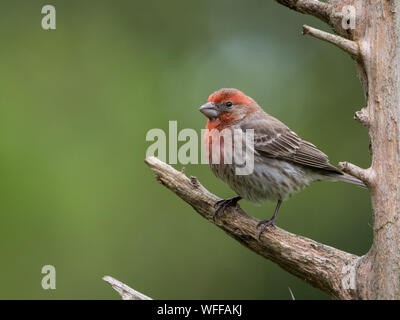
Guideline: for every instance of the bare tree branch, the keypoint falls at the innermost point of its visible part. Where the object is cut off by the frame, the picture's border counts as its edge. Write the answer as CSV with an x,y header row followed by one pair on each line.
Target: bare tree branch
x,y
322,266
346,45
291,294
315,8
126,292
365,175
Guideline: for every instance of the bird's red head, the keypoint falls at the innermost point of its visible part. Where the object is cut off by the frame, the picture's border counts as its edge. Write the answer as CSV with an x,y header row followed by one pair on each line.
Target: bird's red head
x,y
226,107
225,95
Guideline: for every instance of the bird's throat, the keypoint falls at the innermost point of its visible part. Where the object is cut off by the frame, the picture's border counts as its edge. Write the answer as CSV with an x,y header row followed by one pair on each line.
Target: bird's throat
x,y
213,124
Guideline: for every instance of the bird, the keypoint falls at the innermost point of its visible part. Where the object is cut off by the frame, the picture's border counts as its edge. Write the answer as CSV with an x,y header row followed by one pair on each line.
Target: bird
x,y
284,163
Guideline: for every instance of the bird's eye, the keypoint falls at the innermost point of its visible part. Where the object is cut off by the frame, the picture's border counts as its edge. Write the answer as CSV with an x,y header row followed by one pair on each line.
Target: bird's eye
x,y
228,104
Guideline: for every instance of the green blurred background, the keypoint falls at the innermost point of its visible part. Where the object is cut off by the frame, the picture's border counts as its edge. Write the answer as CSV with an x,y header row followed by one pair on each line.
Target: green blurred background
x,y
76,104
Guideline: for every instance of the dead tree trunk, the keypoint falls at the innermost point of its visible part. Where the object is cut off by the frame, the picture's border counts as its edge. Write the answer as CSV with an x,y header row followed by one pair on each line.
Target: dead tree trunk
x,y
378,35
369,30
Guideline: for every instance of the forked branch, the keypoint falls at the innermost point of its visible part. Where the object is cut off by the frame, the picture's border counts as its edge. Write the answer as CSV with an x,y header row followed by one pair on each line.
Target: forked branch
x,y
322,266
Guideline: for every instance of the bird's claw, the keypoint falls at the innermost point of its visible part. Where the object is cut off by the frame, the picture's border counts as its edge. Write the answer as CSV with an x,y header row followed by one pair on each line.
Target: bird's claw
x,y
265,224
225,203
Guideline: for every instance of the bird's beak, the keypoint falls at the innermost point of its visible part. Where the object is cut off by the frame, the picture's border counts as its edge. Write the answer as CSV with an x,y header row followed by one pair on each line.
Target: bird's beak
x,y
209,110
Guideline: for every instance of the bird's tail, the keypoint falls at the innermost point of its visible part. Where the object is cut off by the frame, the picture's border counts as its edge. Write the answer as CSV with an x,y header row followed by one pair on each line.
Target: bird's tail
x,y
345,178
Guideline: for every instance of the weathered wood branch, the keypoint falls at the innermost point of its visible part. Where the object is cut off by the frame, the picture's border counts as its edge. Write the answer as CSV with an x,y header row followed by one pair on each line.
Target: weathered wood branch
x,y
365,175
315,8
126,292
324,267
346,45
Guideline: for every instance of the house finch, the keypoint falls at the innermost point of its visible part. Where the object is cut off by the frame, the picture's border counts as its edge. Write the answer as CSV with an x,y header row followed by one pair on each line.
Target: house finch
x,y
284,163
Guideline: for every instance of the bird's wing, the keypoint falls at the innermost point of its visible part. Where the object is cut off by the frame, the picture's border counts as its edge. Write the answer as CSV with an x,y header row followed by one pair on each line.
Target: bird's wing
x,y
273,139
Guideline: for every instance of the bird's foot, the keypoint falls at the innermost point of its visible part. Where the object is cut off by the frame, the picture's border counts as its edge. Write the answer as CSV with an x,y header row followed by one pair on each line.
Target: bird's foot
x,y
265,224
225,203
